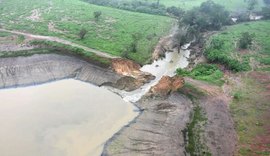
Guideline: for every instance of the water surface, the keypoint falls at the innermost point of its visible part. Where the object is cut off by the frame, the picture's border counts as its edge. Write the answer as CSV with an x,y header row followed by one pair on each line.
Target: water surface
x,y
63,118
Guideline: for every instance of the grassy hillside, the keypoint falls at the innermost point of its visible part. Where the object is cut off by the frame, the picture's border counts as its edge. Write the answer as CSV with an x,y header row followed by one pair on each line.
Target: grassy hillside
x,y
250,106
232,5
258,55
112,33
250,110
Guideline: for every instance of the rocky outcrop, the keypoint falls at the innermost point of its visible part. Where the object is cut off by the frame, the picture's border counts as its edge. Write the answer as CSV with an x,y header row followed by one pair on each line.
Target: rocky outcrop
x,y
37,69
167,85
134,78
157,131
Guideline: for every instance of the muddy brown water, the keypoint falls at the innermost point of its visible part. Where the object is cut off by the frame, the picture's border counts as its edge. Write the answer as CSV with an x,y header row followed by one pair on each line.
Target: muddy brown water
x,y
62,118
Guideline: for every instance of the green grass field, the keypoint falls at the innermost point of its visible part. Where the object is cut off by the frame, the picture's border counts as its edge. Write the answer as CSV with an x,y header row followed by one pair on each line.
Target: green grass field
x,y
65,18
260,49
232,5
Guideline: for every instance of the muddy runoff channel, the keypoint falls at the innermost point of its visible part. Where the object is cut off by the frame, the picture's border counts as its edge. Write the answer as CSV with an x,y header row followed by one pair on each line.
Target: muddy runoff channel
x,y
73,116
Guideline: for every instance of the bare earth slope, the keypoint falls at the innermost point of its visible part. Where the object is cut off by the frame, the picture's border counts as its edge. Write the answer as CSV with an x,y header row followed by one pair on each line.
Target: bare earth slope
x,y
44,68
157,131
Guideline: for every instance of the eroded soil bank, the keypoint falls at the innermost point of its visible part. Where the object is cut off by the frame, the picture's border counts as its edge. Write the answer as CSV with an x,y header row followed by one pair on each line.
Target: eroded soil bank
x,y
36,69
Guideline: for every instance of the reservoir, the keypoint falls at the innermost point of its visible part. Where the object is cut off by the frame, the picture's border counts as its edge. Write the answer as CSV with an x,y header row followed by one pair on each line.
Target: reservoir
x,y
62,118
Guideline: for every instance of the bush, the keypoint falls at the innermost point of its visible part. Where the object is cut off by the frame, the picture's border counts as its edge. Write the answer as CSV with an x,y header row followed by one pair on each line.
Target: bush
x,y
205,72
246,40
237,96
82,33
97,15
178,12
218,56
217,43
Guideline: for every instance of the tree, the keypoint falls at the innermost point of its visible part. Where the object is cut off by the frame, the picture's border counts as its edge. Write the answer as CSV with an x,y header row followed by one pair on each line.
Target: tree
x,y
177,12
181,38
158,3
209,16
82,33
266,12
97,15
246,40
252,4
134,44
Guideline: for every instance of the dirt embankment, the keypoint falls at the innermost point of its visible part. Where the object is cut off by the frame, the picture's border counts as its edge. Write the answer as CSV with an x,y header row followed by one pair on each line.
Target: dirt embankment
x,y
218,133
157,131
37,69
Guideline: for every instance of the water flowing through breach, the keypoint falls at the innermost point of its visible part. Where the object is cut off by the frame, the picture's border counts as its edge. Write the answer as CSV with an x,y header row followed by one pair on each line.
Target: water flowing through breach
x,y
159,68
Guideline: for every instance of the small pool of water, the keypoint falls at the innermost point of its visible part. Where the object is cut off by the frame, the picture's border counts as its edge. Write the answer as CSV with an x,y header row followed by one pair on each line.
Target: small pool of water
x,y
62,118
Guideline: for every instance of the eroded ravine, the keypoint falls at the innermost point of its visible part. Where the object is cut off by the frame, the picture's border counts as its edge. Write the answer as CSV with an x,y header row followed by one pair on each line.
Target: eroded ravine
x,y
162,67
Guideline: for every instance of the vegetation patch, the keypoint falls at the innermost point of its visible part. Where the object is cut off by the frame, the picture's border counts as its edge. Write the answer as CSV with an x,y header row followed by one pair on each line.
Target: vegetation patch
x,y
55,47
231,5
206,72
224,47
195,145
111,33
4,34
6,54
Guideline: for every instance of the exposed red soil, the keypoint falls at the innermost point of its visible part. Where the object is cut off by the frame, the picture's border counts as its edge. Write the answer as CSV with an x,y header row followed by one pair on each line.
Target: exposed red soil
x,y
167,85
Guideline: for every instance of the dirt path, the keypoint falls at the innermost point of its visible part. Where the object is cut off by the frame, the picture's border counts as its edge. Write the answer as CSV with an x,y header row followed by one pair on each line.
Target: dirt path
x,y
59,40
218,133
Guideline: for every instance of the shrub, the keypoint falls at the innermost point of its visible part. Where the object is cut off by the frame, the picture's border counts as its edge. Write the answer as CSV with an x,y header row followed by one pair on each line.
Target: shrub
x,y
218,56
178,12
246,40
82,33
97,15
217,43
205,72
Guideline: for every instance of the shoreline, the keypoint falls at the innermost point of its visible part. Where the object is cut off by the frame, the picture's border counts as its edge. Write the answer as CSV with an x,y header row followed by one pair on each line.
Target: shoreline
x,y
22,85
158,128
41,69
